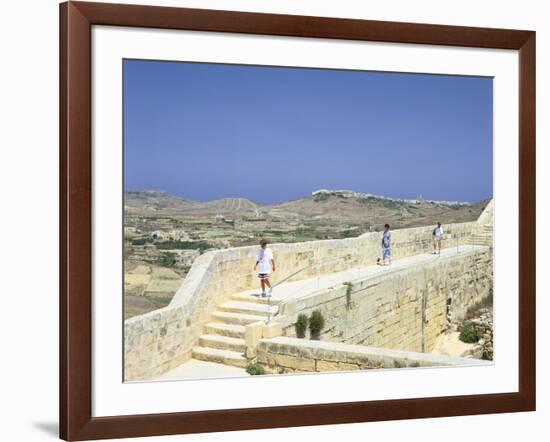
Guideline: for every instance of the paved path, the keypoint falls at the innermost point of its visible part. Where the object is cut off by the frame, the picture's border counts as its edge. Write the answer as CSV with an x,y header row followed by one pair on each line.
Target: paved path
x,y
450,344
297,289
195,369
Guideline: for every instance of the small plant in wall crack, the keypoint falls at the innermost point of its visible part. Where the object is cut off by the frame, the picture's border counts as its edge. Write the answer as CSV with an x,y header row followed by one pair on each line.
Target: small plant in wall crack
x,y
255,369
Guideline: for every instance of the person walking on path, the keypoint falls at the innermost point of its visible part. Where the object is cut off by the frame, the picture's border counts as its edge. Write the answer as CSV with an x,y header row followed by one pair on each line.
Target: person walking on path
x,y
386,246
437,235
265,265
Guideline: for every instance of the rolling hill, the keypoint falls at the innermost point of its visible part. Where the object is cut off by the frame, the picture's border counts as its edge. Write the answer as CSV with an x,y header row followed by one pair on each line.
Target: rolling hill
x,y
325,207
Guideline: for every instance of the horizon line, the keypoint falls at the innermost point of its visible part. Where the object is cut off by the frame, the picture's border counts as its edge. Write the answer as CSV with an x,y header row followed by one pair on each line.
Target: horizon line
x,y
308,195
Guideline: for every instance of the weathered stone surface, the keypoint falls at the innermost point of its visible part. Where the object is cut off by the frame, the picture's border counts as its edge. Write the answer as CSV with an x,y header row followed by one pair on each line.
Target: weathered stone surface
x,y
217,275
332,356
326,366
252,335
295,363
272,330
390,313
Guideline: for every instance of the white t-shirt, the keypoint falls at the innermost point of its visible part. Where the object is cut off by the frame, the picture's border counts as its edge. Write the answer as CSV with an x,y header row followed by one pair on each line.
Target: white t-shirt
x,y
439,232
264,258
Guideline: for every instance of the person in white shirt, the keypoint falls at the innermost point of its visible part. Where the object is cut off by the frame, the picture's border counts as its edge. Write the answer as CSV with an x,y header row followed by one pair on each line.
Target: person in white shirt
x,y
437,237
265,265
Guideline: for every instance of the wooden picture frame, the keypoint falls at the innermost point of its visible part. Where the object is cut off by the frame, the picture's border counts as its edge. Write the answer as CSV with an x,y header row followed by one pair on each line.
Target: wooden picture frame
x,y
76,421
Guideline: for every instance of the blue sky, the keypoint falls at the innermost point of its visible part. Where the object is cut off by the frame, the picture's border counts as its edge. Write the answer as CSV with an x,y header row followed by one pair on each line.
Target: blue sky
x,y
207,131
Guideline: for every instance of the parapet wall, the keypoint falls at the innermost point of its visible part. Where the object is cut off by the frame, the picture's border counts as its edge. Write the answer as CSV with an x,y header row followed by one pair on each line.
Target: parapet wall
x,y
404,309
163,339
286,355
487,216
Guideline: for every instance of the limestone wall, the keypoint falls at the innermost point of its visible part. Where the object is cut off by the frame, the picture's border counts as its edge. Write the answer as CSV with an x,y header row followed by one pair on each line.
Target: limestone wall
x,y
163,339
487,216
232,269
283,355
402,309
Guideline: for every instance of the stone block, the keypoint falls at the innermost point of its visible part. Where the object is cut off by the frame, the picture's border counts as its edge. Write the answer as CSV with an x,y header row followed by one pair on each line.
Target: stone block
x,y
344,366
252,335
295,362
326,366
272,330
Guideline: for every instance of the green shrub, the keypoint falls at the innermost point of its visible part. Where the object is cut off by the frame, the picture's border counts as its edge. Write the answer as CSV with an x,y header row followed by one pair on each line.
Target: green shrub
x,y
255,369
321,197
488,301
316,324
468,333
168,259
301,326
140,241
182,245
348,294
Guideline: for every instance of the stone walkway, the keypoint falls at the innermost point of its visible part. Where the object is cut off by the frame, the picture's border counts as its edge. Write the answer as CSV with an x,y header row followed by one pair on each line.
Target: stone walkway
x,y
195,369
219,353
450,344
297,289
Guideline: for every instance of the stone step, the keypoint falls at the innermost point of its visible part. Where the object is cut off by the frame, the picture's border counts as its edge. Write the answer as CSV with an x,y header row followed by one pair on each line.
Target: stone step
x,y
226,357
231,330
248,308
255,298
223,343
236,318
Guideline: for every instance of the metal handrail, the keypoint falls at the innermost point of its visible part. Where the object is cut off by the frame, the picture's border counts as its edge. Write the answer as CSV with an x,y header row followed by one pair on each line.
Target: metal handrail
x,y
317,264
458,239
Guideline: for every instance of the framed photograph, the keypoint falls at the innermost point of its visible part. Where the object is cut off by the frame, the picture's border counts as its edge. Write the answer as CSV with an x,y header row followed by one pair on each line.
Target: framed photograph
x,y
274,220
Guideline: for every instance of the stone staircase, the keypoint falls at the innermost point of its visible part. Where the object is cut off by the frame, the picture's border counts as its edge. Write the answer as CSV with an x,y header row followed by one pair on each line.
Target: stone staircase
x,y
223,339
484,238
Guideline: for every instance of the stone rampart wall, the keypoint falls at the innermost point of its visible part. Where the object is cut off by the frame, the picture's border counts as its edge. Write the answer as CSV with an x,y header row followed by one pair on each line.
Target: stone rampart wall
x,y
163,339
284,355
404,309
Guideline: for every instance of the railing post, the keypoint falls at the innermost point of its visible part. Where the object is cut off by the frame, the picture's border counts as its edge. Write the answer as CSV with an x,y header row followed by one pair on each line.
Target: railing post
x,y
308,267
318,276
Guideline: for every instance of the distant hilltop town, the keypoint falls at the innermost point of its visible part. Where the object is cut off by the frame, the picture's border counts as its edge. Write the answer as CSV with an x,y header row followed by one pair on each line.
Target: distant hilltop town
x,y
418,200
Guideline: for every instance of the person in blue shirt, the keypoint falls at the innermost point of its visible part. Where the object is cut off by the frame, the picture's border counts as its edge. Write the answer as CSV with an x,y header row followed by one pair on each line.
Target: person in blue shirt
x,y
386,246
